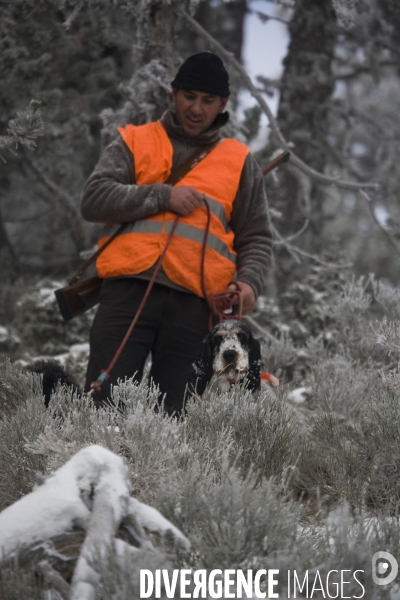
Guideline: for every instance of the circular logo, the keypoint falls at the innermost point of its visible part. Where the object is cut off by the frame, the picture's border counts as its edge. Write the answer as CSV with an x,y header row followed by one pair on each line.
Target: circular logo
x,y
384,568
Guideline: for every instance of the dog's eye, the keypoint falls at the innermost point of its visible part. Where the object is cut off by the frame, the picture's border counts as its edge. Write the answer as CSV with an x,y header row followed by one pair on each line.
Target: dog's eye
x,y
217,341
242,337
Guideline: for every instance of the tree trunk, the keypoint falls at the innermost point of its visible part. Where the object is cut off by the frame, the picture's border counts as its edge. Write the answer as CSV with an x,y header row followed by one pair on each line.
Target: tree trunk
x,y
224,21
307,86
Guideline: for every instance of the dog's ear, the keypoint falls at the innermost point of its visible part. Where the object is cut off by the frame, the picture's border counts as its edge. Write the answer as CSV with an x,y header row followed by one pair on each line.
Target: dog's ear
x,y
254,372
202,369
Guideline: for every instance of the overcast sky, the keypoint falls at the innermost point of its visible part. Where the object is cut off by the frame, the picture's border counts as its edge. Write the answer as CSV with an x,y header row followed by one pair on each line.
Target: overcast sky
x,y
265,46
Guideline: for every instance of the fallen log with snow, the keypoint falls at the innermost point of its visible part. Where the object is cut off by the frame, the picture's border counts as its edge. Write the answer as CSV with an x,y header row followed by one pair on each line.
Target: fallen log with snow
x,y
81,511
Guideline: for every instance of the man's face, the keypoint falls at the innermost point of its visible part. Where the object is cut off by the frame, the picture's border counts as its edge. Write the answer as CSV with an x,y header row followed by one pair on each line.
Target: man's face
x,y
196,111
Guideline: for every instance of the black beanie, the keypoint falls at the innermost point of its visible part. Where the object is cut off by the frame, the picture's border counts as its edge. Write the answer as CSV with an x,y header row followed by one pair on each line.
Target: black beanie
x,y
203,72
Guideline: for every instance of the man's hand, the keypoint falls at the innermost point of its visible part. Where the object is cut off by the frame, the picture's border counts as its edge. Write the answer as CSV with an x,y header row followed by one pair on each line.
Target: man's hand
x,y
184,199
248,296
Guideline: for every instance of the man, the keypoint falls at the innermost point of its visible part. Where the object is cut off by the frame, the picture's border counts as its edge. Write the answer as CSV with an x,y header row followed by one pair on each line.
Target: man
x,y
127,186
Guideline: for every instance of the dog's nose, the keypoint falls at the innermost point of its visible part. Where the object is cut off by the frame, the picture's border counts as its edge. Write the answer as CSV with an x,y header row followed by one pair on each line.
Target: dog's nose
x,y
229,356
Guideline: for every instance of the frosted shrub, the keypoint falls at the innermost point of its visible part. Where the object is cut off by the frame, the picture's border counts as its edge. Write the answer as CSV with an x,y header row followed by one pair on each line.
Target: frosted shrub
x,y
40,325
280,357
75,424
388,337
305,305
381,432
342,542
121,574
16,387
233,521
389,299
354,301
342,385
356,462
268,314
333,463
146,98
261,428
148,440
22,418
17,585
356,312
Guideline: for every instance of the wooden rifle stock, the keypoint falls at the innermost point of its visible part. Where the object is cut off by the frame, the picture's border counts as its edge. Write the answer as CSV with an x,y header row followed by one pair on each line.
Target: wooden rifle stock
x,y
275,162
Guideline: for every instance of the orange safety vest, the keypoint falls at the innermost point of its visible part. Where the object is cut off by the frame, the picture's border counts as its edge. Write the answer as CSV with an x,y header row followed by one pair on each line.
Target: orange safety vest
x,y
142,242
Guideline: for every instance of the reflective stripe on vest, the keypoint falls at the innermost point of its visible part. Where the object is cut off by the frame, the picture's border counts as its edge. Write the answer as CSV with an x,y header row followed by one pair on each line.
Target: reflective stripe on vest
x,y
140,245
182,230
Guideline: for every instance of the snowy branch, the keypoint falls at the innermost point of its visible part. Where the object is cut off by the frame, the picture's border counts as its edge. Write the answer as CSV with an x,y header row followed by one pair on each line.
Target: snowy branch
x,y
295,160
44,569
91,490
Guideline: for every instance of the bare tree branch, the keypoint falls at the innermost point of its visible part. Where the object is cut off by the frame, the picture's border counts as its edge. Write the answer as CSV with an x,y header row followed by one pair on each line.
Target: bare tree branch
x,y
256,327
64,198
295,160
371,208
264,17
294,251
318,260
290,238
44,569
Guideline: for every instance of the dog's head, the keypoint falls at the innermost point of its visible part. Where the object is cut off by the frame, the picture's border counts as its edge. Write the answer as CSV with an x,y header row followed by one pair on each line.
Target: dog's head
x,y
52,374
232,354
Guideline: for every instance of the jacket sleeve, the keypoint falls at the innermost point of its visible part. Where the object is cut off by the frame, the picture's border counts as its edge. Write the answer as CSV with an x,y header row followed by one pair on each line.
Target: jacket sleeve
x,y
111,195
250,224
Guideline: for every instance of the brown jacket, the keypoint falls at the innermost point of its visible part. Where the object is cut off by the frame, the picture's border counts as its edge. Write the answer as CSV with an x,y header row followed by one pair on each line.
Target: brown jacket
x,y
111,195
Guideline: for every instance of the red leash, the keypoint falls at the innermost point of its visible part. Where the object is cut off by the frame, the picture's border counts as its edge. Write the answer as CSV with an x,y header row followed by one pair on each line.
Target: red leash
x,y
95,386
219,303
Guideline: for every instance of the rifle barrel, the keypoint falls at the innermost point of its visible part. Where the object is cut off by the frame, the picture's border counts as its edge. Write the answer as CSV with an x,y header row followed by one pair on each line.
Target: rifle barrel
x,y
275,162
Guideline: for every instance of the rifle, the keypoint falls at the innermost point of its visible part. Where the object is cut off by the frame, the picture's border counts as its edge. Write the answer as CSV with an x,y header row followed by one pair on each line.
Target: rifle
x,y
275,162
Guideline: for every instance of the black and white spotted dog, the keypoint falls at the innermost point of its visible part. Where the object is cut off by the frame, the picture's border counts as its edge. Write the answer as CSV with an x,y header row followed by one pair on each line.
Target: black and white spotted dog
x,y
231,354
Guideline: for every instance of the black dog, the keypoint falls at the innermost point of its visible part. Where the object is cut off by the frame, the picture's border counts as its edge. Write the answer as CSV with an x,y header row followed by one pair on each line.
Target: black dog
x,y
52,374
231,353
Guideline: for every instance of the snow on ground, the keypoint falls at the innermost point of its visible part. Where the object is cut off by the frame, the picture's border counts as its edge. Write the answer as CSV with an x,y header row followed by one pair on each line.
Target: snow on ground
x,y
298,395
64,498
91,490
77,352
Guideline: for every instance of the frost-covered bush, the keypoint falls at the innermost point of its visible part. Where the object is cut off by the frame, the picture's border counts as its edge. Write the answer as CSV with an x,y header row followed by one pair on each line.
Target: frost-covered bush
x,y
22,418
16,584
40,325
260,429
121,576
307,325
304,310
147,95
302,323
251,481
234,521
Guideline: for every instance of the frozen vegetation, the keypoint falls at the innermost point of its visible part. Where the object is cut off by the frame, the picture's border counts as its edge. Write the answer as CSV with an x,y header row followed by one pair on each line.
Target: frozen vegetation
x,y
302,477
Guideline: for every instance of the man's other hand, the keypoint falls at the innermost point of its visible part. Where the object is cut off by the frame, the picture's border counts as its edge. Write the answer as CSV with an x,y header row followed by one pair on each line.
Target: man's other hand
x,y
184,199
248,296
